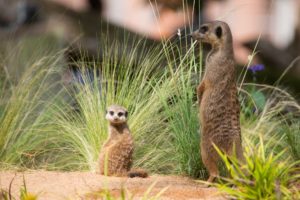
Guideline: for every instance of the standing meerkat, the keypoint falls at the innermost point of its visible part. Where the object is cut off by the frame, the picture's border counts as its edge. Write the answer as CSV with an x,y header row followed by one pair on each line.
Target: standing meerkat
x,y
219,109
118,148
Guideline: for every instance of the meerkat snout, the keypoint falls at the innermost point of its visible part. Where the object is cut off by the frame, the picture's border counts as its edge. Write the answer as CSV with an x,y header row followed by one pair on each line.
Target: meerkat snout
x,y
200,34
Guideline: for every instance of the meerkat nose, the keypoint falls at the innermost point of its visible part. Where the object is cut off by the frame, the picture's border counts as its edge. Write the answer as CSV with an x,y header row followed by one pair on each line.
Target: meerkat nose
x,y
200,33
195,35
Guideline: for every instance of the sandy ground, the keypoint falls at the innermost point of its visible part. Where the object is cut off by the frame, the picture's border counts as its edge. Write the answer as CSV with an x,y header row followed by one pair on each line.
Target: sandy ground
x,y
76,185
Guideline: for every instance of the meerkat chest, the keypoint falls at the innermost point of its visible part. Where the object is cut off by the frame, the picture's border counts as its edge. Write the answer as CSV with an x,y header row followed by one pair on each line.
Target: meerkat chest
x,y
213,97
219,77
125,141
215,101
219,71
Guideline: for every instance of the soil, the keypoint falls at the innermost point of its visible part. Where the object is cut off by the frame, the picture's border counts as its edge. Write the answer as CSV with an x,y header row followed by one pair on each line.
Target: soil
x,y
87,185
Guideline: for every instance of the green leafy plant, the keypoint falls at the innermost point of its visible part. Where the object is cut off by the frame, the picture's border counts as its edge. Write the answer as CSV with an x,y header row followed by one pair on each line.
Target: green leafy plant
x,y
261,176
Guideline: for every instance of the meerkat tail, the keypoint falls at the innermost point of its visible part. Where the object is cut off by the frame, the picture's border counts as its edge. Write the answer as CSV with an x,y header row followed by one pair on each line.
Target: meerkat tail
x,y
137,173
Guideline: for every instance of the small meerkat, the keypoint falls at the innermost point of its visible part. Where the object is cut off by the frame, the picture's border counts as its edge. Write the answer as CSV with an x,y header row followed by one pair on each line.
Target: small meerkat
x,y
119,147
219,109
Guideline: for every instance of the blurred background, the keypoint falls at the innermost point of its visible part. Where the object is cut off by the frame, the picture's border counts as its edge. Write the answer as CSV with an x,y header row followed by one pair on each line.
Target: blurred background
x,y
271,27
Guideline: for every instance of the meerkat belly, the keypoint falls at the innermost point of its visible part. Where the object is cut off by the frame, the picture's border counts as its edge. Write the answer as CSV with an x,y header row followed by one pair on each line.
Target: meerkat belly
x,y
120,155
216,113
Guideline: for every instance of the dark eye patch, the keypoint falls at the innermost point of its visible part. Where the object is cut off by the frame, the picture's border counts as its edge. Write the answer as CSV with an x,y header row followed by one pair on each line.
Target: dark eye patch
x,y
111,112
219,32
203,29
120,114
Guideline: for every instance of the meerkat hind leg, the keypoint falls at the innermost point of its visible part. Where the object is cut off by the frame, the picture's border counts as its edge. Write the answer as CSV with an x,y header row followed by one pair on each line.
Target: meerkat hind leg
x,y
213,171
211,165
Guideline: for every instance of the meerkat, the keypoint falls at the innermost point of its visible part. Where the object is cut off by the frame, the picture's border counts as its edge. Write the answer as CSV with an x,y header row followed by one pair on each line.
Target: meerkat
x,y
117,151
219,109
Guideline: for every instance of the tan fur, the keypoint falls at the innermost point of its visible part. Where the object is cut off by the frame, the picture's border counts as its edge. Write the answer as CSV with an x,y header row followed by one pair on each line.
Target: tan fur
x,y
219,108
118,148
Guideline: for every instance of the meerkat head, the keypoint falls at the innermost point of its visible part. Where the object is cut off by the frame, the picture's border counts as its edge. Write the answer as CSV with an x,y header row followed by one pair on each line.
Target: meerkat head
x,y
216,33
116,114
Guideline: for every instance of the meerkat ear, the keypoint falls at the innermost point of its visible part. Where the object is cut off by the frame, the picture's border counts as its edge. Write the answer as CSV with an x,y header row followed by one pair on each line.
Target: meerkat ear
x,y
126,113
219,31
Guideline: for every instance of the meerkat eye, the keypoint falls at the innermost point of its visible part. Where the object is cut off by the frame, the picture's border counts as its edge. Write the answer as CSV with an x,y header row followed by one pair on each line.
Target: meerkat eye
x,y
111,112
120,114
203,29
218,32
